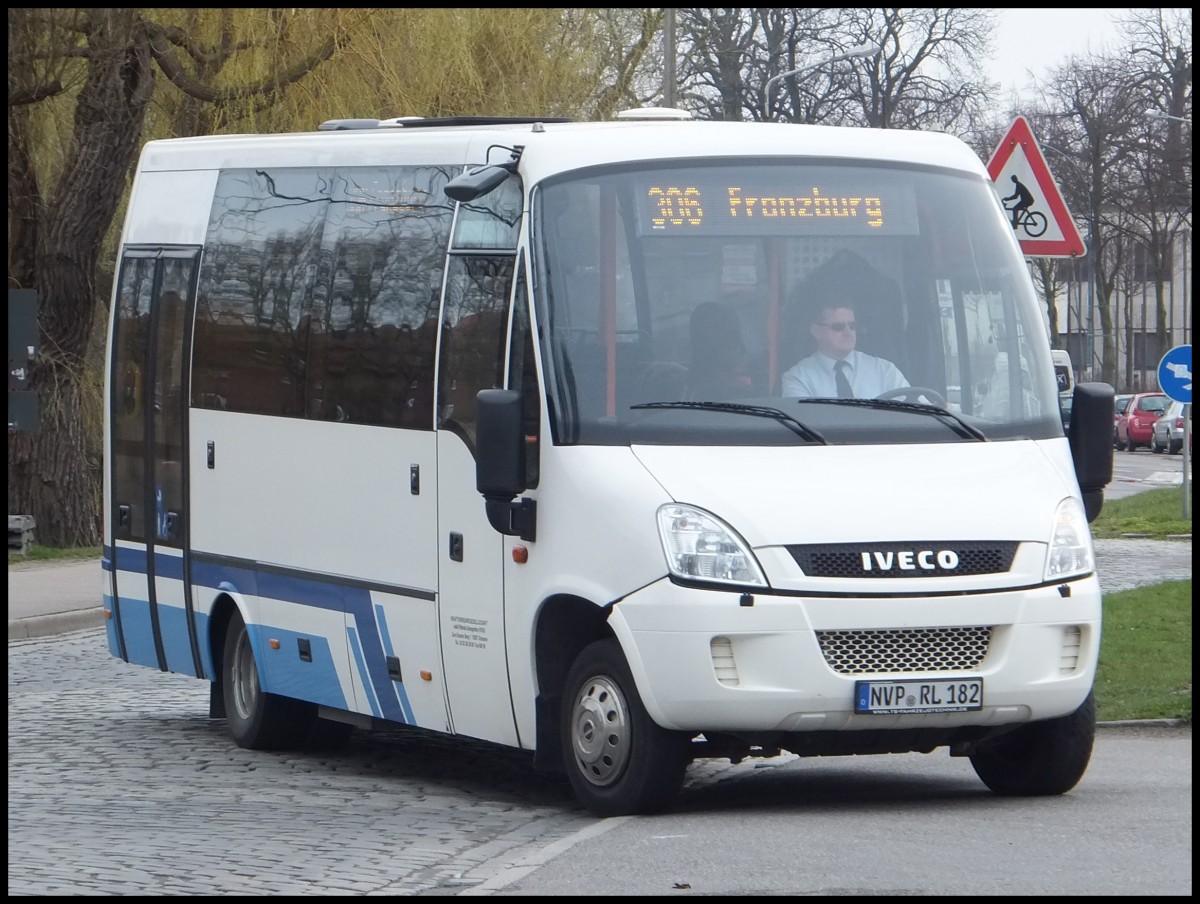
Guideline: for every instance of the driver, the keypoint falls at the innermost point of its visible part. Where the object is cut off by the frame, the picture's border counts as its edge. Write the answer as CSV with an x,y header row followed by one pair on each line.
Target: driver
x,y
836,369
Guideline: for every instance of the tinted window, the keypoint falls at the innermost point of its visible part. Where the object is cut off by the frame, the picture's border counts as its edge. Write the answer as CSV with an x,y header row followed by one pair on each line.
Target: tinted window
x,y
473,330
260,259
374,317
318,293
147,394
130,386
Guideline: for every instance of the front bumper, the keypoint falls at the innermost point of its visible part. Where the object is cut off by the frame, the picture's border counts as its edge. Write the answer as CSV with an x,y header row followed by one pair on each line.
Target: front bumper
x,y
706,660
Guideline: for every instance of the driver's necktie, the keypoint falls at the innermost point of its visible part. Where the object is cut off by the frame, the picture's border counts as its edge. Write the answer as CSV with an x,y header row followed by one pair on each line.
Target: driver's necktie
x,y
843,383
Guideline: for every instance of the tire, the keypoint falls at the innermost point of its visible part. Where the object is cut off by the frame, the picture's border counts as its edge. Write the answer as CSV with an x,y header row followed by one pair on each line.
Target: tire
x,y
1042,758
1154,446
257,720
1035,224
618,760
1129,443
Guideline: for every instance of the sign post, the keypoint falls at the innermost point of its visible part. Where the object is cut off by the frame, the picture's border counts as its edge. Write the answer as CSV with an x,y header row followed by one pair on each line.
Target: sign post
x,y
1175,379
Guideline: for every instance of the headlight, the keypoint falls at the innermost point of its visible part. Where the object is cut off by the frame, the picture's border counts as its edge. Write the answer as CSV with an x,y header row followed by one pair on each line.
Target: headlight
x,y
701,547
1070,544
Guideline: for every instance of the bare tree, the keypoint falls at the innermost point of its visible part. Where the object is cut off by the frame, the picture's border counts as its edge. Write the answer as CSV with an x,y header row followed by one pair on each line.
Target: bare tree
x,y
928,73
626,71
1159,193
1091,100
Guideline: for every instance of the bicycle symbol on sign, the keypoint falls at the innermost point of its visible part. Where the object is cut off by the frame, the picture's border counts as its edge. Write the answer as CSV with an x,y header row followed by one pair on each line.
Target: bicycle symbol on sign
x,y
1033,222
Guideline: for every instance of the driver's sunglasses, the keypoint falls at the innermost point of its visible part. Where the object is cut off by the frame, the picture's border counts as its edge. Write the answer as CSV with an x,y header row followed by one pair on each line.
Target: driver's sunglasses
x,y
839,326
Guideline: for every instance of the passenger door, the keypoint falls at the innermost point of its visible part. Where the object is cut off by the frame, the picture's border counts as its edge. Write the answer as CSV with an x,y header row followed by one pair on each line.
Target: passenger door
x,y
471,557
152,620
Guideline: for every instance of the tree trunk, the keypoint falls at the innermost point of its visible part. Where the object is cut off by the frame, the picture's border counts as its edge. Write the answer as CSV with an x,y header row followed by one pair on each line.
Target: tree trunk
x,y
59,466
54,471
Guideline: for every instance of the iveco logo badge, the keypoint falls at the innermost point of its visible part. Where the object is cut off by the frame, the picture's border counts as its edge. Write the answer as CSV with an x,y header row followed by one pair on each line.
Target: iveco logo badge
x,y
910,560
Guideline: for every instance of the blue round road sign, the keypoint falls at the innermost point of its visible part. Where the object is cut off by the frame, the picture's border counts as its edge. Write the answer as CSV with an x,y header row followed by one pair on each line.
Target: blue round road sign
x,y
1175,374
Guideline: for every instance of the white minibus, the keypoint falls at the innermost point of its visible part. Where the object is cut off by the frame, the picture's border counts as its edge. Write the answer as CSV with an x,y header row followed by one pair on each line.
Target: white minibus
x,y
623,443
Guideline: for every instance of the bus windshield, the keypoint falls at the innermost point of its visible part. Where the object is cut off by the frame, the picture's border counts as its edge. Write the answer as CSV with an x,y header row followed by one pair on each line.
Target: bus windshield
x,y
747,283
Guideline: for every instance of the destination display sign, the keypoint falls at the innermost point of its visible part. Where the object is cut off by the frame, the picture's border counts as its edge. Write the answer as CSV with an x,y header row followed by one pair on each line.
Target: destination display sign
x,y
795,201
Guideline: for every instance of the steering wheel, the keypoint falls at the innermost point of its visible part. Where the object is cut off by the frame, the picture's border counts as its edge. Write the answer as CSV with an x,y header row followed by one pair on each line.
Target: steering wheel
x,y
919,395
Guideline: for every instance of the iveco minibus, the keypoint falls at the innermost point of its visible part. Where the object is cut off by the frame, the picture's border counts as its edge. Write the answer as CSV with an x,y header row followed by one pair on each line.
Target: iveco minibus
x,y
479,426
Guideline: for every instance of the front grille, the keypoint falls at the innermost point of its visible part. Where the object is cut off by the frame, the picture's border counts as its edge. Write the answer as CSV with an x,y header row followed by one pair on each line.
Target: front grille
x,y
905,649
928,558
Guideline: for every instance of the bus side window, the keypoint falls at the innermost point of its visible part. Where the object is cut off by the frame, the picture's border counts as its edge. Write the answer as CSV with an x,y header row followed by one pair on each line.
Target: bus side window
x,y
522,376
473,332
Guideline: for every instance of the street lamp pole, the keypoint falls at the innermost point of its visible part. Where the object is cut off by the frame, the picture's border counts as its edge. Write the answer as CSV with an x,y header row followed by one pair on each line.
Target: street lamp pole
x,y
853,53
1158,114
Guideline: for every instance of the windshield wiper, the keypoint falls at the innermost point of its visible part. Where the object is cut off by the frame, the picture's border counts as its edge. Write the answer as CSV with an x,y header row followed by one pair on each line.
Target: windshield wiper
x,y
783,417
956,423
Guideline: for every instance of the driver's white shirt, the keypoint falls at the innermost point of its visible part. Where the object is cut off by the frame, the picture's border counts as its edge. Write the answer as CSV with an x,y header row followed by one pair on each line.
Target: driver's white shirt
x,y
869,376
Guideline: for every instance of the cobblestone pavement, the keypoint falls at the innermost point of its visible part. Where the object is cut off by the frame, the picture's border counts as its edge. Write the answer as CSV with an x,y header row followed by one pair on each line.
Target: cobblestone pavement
x,y
120,784
393,813
1126,564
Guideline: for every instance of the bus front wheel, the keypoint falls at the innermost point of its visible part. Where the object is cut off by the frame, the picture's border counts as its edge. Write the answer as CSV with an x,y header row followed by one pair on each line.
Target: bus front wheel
x,y
619,761
1041,758
258,720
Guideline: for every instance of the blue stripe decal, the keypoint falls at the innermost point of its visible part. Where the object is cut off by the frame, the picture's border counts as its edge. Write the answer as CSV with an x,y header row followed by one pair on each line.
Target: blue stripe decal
x,y
135,562
131,560
172,625
168,566
359,608
202,628
362,670
405,706
317,680
306,592
135,626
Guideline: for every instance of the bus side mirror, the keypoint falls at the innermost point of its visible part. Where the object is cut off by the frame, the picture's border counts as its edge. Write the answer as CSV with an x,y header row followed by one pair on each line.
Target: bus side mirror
x,y
1090,436
479,181
500,462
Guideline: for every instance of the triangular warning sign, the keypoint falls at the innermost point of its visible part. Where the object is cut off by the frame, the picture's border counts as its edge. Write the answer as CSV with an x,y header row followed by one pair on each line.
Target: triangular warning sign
x,y
1039,215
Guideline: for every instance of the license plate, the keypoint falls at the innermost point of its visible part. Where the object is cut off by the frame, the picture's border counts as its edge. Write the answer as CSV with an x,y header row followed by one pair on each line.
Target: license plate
x,y
931,695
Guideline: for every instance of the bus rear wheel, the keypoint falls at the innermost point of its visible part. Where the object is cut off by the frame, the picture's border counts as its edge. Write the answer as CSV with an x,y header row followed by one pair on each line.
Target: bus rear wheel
x,y
618,760
1041,758
258,720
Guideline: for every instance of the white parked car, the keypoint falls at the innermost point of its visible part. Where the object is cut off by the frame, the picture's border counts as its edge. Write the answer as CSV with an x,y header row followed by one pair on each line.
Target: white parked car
x,y
1167,434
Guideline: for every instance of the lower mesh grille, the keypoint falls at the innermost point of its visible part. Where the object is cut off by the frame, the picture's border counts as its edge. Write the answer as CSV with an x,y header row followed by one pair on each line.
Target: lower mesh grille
x,y
905,650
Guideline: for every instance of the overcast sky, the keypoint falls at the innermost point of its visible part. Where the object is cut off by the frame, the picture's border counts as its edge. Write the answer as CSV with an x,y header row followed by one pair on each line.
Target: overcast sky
x,y
1040,39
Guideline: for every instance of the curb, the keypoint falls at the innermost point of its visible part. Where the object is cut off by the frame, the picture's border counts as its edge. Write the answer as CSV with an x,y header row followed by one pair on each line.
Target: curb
x,y
55,623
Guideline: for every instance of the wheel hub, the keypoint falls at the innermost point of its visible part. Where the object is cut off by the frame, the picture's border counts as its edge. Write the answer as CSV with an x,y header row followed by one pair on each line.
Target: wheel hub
x,y
600,731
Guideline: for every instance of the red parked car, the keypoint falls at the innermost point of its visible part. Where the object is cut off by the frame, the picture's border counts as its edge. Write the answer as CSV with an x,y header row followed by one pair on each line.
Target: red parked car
x,y
1135,426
